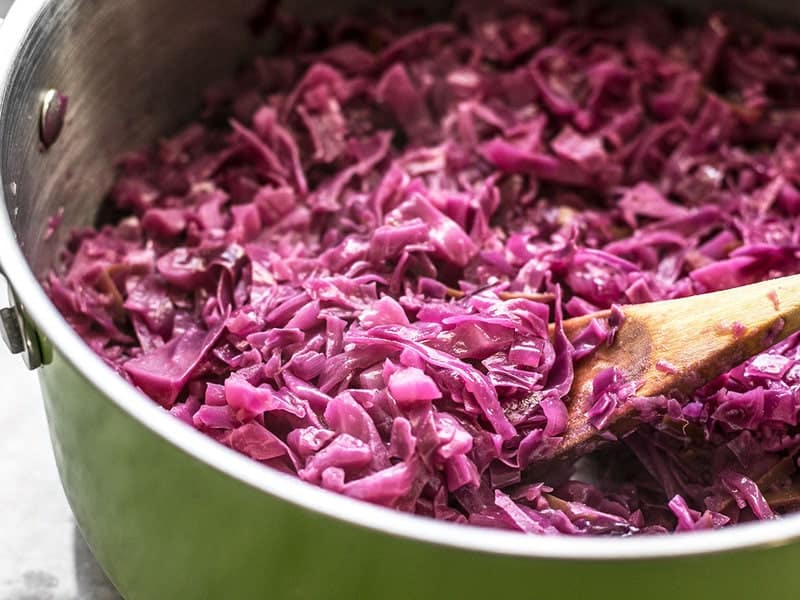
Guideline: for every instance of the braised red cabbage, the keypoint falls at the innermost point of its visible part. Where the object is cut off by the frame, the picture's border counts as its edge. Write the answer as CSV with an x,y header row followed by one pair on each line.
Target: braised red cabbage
x,y
347,266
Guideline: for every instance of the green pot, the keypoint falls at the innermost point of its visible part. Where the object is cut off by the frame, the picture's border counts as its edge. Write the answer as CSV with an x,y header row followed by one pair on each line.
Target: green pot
x,y
169,513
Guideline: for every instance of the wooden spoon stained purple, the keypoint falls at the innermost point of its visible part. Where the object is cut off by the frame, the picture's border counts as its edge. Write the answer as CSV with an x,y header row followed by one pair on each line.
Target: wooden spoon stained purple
x,y
677,346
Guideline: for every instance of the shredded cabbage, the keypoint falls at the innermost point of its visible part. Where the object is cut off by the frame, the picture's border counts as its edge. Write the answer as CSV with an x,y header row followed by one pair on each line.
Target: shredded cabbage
x,y
347,267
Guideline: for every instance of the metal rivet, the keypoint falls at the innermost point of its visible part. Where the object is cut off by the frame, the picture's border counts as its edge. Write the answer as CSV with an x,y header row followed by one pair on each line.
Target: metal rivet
x,y
51,120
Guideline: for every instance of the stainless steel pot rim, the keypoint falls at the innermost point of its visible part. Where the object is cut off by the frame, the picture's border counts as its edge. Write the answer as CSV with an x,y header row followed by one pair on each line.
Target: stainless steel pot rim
x,y
127,398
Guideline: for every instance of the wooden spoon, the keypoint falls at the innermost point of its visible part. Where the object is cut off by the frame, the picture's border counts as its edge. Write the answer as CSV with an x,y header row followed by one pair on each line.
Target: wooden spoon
x,y
677,346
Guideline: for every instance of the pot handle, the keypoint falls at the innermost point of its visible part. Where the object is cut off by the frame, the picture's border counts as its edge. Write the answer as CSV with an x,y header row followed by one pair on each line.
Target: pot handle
x,y
18,332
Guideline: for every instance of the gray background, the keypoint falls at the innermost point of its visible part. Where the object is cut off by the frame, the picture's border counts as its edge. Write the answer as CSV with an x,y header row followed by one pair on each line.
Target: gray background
x,y
42,555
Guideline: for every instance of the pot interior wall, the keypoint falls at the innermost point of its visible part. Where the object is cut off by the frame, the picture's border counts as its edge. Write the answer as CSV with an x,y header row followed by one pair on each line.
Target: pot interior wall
x,y
132,69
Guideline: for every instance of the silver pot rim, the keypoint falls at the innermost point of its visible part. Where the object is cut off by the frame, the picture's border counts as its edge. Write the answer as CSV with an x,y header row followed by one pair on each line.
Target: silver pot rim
x,y
13,34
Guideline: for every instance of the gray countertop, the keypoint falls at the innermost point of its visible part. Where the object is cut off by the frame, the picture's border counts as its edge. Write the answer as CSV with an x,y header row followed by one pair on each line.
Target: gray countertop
x,y
42,554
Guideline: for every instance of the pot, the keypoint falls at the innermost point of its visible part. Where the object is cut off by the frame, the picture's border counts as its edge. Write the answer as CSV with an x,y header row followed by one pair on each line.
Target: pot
x,y
172,514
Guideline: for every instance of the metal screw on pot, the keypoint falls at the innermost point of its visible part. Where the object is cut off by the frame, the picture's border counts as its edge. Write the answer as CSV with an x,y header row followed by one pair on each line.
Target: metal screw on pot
x,y
51,120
